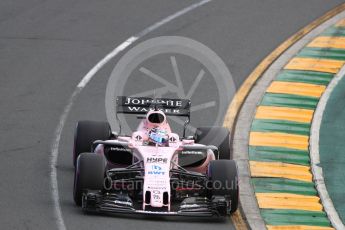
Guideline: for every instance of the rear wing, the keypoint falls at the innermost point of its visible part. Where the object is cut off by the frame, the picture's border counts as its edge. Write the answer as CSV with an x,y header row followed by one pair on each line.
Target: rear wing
x,y
141,105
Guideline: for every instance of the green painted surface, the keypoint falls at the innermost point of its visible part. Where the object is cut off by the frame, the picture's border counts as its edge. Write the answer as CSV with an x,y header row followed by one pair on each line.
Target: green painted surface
x,y
276,154
334,31
289,100
324,53
280,185
309,77
266,125
332,147
294,217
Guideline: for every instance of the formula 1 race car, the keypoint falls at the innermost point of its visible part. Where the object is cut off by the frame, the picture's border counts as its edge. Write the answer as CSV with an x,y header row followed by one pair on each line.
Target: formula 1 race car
x,y
154,171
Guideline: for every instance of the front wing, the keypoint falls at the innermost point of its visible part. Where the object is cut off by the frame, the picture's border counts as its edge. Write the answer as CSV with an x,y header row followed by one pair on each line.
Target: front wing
x,y
97,202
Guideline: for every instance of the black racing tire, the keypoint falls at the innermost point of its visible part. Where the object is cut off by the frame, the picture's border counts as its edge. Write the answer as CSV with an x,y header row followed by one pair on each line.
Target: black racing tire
x,y
89,174
217,136
86,133
223,176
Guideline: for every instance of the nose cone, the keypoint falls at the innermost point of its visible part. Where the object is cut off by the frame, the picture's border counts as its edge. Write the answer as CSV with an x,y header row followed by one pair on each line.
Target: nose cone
x,y
156,200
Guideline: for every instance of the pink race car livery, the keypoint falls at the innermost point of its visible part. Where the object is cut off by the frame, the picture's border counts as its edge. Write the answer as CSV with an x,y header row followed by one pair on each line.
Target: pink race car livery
x,y
154,170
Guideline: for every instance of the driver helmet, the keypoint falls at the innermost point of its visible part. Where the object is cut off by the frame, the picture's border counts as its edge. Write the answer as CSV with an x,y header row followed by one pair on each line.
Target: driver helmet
x,y
158,136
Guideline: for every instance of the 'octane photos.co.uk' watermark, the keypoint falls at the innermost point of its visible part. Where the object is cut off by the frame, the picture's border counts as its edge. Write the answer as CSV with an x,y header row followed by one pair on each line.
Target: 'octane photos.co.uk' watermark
x,y
172,67
109,184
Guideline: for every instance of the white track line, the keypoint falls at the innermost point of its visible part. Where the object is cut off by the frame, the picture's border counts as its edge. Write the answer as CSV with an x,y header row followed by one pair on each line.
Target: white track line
x,y
315,154
85,80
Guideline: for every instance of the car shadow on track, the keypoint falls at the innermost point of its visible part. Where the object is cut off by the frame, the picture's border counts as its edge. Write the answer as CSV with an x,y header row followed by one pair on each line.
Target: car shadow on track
x,y
220,220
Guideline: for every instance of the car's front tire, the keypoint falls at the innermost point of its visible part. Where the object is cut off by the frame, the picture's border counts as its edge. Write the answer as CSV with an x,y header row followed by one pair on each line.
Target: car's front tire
x,y
223,177
89,174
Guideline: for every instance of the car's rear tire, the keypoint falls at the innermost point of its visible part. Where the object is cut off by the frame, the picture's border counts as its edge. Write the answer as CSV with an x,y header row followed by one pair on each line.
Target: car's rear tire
x,y
86,133
217,136
223,176
89,174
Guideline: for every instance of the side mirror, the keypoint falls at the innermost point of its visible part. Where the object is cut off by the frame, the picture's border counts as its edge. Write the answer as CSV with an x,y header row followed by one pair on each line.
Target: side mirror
x,y
114,135
190,138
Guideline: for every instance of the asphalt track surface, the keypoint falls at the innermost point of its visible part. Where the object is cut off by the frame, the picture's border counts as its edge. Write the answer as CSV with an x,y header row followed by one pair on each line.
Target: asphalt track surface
x,y
47,46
